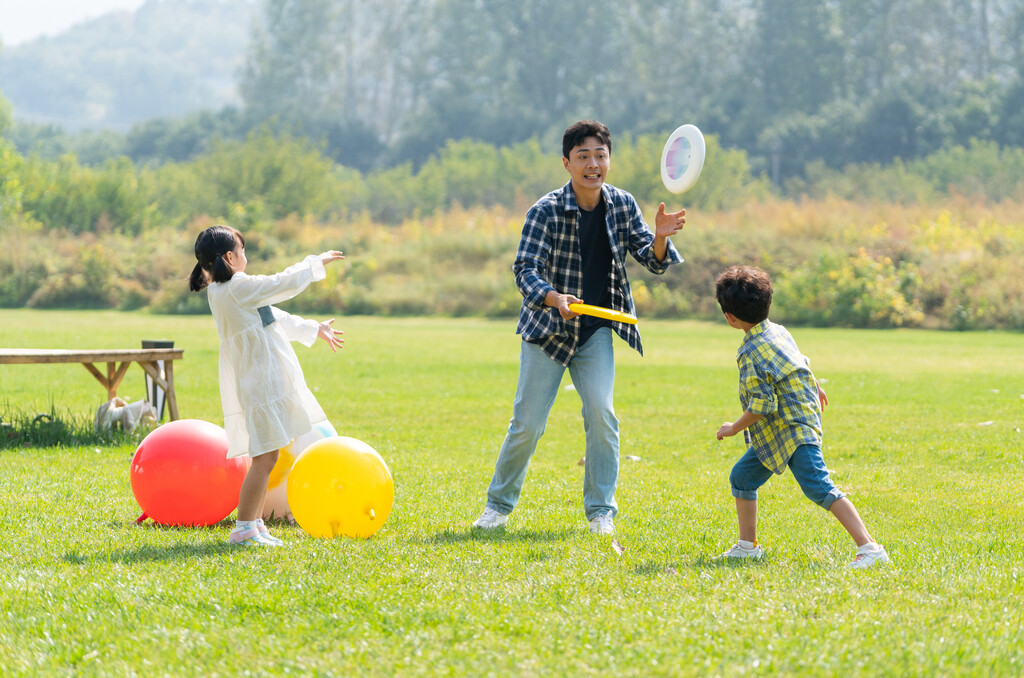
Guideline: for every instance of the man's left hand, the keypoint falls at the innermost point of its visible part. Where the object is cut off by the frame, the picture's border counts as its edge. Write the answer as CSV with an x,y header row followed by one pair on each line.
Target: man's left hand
x,y
668,223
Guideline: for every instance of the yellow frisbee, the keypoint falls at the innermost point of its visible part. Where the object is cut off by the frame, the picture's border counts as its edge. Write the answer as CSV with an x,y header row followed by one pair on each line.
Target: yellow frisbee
x,y
602,312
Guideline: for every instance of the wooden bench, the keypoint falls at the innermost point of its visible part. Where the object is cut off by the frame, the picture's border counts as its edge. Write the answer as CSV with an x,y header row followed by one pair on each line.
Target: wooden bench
x,y
146,358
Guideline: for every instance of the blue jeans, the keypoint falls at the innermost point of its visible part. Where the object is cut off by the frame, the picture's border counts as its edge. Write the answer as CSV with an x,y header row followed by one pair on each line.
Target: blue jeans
x,y
592,369
807,465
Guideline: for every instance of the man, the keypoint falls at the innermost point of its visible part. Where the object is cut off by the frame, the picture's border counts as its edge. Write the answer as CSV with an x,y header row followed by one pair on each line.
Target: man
x,y
573,250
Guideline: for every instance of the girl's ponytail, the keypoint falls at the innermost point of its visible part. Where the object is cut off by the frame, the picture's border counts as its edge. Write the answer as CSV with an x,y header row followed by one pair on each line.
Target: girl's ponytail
x,y
198,280
211,246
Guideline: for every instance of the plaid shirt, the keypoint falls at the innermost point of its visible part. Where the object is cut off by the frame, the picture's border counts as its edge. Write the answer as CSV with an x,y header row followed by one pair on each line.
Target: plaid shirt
x,y
549,259
776,381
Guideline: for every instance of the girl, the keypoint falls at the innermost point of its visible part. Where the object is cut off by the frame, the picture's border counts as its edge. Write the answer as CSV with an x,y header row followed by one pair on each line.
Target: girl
x,y
265,398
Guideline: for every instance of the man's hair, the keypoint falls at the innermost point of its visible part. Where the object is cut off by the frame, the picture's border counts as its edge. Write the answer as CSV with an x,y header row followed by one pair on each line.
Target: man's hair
x,y
746,292
578,131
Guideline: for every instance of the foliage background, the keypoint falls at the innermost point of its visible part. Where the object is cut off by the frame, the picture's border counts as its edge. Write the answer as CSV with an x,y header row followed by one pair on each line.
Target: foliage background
x,y
871,161
789,82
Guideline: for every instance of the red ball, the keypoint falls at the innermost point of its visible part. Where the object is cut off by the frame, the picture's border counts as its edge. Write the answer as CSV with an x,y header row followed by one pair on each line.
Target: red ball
x,y
181,474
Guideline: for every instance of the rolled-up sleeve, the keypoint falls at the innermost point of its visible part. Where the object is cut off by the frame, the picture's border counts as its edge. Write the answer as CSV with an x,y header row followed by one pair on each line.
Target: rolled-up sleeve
x,y
758,395
531,263
641,244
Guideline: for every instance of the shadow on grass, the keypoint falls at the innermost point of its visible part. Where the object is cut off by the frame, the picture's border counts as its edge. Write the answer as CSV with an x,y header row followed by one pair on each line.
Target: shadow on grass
x,y
148,554
498,535
650,568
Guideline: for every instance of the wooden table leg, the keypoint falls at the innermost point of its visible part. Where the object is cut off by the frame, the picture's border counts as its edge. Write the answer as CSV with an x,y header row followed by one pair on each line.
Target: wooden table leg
x,y
116,377
164,381
112,379
172,400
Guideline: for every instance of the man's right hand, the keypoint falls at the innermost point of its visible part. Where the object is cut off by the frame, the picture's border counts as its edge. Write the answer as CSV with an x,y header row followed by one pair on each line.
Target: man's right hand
x,y
561,302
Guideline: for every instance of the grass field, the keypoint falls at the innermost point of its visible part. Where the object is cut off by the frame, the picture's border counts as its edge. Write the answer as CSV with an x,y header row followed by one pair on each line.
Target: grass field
x,y
924,432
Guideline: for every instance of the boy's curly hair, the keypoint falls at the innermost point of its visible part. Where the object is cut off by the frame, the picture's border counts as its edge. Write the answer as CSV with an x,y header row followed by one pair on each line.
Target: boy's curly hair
x,y
744,291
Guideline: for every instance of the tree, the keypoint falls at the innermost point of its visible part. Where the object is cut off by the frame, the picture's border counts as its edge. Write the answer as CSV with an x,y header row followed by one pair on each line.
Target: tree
x,y
6,114
337,71
797,56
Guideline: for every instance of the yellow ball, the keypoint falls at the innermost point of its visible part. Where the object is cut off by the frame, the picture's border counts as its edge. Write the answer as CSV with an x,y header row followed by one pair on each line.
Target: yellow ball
x,y
275,505
338,486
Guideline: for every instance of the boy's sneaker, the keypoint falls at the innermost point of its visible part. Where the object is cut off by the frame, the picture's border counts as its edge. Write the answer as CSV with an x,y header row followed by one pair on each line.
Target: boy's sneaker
x,y
602,524
739,550
869,555
490,519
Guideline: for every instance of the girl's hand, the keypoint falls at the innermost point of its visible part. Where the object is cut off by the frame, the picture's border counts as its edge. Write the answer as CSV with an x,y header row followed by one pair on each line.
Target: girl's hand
x,y
330,335
331,255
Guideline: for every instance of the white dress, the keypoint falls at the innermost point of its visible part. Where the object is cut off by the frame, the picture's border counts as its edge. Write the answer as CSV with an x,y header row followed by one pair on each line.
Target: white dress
x,y
264,394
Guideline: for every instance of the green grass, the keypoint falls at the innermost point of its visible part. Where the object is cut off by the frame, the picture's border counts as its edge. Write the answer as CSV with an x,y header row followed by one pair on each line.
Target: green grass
x,y
85,591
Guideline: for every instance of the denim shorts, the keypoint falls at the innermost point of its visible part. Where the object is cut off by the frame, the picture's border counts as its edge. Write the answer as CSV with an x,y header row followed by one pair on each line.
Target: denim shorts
x,y
807,465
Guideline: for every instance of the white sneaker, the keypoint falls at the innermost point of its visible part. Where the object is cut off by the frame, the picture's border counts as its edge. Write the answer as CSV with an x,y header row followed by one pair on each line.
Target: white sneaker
x,y
739,551
602,524
869,555
490,519
265,533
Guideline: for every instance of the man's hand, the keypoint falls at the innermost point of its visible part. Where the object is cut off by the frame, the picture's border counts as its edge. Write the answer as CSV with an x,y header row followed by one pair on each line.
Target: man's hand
x,y
668,224
561,302
330,335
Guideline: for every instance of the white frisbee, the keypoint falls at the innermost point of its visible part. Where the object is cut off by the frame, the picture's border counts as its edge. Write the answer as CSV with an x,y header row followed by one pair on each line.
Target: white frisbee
x,y
683,159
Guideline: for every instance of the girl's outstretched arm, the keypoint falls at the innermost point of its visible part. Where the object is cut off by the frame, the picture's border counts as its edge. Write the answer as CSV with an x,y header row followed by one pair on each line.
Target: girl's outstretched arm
x,y
253,291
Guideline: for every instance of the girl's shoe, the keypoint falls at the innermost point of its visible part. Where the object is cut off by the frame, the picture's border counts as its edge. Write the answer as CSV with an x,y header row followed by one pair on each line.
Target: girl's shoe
x,y
251,537
265,534
247,537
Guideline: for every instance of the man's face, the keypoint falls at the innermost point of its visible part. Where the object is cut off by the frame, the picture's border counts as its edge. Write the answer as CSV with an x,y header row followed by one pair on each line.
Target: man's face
x,y
588,164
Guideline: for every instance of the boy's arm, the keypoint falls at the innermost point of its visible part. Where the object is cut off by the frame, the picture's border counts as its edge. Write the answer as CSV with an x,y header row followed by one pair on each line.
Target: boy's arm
x,y
822,398
731,428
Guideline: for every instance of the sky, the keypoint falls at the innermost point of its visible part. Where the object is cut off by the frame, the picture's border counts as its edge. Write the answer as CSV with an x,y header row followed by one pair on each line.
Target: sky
x,y
23,20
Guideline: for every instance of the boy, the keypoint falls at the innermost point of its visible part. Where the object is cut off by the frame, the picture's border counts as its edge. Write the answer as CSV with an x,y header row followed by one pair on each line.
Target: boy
x,y
573,248
781,418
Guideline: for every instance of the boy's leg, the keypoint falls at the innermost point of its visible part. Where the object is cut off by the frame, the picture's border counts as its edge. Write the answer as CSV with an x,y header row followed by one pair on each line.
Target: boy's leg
x,y
746,477
746,513
593,374
846,512
539,377
808,467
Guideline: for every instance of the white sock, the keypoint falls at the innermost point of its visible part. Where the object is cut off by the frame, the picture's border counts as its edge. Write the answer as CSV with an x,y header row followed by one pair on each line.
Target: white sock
x,y
749,545
243,525
870,546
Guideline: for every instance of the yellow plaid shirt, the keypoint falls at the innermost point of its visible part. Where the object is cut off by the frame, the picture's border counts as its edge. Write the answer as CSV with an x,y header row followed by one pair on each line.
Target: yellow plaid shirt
x,y
776,381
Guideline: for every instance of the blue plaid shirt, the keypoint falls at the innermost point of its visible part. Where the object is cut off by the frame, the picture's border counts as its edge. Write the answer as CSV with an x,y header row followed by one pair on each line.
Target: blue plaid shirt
x,y
776,382
549,259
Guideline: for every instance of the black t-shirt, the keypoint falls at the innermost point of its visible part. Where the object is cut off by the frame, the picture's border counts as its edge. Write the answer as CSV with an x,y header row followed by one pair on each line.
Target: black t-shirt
x,y
596,253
